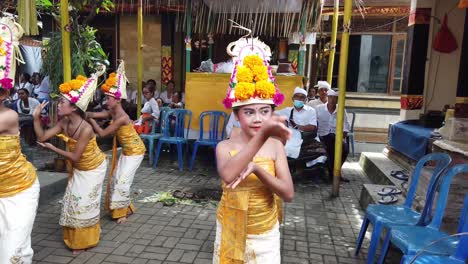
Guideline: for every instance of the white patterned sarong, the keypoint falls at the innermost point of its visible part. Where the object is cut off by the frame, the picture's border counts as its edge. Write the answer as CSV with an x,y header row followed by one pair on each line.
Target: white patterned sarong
x,y
82,200
122,181
17,215
259,249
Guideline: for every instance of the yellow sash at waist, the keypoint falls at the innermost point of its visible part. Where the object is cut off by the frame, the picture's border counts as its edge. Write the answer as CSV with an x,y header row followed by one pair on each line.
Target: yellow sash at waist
x,y
16,173
92,156
131,143
250,208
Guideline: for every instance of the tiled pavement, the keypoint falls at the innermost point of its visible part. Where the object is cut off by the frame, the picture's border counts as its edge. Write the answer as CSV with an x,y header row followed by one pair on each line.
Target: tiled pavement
x,y
316,229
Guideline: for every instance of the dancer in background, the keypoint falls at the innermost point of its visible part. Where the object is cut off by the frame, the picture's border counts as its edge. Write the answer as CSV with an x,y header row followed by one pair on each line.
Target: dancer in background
x,y
252,165
87,163
19,187
133,149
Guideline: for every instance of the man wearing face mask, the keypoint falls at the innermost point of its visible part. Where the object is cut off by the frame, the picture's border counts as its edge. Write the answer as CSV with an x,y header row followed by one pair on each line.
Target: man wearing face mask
x,y
302,119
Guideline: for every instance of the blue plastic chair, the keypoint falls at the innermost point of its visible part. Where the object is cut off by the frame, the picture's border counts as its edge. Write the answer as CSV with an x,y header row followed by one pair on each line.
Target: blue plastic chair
x,y
214,136
385,216
180,133
461,253
154,135
412,239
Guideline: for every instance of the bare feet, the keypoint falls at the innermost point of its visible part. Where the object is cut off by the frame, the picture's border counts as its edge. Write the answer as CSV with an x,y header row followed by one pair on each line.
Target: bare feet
x,y
77,251
122,220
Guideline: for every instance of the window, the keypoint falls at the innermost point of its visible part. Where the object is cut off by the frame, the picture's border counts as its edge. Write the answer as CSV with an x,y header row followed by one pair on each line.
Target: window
x,y
375,64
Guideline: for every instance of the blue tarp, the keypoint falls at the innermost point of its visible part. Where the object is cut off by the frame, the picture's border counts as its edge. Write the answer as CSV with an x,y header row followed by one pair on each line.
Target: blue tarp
x,y
410,139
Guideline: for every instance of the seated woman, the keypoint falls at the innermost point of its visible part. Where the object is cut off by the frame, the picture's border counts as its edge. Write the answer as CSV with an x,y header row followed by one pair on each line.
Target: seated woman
x,y
25,107
149,112
80,216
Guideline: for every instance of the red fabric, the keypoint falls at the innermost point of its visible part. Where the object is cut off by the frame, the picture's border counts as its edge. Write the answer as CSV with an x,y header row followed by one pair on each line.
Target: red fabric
x,y
145,127
444,41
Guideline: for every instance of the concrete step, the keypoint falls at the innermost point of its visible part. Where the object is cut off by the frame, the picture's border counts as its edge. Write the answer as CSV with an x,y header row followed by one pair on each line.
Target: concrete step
x,y
369,195
378,167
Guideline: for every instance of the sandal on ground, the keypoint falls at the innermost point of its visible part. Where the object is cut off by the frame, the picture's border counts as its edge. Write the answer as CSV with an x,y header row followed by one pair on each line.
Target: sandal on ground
x,y
389,199
178,194
401,175
188,195
389,191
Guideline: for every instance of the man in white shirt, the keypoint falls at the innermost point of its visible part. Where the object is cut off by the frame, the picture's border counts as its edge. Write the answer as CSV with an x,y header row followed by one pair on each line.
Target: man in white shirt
x,y
301,118
322,87
326,118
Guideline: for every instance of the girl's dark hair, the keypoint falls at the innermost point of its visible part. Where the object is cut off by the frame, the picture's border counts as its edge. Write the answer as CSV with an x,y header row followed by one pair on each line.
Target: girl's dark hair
x,y
171,81
24,89
80,112
26,76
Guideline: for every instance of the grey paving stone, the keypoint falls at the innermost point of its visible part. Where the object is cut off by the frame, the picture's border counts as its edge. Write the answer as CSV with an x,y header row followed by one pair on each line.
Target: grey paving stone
x,y
316,229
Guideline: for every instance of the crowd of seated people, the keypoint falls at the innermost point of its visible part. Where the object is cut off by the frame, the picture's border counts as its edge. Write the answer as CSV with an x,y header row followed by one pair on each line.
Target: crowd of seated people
x,y
152,102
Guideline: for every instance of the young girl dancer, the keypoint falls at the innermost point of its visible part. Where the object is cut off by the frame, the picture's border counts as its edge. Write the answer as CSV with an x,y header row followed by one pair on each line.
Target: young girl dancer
x,y
133,150
19,187
253,165
87,163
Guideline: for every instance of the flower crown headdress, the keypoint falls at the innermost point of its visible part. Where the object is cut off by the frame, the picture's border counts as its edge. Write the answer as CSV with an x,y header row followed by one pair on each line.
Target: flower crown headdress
x,y
116,83
80,90
251,80
10,33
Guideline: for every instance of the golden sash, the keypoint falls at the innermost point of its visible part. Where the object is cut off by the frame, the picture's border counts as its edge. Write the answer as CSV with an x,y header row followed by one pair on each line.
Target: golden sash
x,y
16,173
131,143
92,156
250,208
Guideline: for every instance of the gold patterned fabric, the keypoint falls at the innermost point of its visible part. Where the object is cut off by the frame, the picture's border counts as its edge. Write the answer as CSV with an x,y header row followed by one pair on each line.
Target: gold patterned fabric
x,y
16,173
250,208
81,238
92,156
131,143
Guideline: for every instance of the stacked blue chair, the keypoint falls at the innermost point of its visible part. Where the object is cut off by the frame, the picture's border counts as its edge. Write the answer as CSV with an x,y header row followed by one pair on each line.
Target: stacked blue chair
x,y
385,216
461,253
412,239
179,136
155,134
216,133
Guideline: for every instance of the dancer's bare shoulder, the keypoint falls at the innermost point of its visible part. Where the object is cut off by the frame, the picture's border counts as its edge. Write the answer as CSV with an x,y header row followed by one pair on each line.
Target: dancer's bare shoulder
x,y
10,122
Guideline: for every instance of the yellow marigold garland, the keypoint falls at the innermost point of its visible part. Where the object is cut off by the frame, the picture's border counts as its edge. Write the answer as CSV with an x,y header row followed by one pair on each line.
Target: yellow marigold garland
x,y
76,84
260,73
65,88
253,60
265,89
244,91
244,74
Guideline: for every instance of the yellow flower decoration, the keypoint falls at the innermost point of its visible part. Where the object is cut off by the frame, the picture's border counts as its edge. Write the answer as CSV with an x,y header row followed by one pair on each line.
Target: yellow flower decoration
x,y
75,84
112,75
1,40
260,73
111,81
81,78
2,52
265,89
253,60
105,88
65,88
244,91
244,74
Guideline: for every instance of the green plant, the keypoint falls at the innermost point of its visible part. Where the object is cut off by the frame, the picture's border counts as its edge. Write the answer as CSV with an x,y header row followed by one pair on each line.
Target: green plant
x,y
85,51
